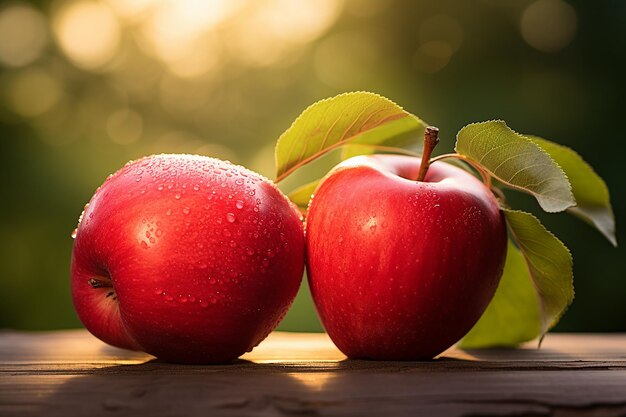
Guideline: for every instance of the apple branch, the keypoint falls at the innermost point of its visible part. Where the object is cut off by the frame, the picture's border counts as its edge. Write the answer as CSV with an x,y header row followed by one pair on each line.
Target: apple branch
x,y
431,139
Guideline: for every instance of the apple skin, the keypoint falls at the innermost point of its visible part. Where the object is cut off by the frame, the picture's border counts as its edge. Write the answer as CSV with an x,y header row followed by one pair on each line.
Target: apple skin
x,y
400,269
201,258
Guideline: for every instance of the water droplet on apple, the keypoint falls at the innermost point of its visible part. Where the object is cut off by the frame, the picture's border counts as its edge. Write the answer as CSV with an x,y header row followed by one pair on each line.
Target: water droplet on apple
x,y
160,187
158,233
177,196
226,233
74,233
239,204
204,303
265,262
213,300
196,187
203,266
182,300
168,212
143,244
186,210
250,251
233,244
230,217
158,291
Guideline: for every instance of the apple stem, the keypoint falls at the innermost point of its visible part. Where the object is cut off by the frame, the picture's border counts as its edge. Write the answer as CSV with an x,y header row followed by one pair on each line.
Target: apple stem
x,y
431,139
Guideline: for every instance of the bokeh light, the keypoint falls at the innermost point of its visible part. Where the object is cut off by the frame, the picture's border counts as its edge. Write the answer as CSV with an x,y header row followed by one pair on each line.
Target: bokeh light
x,y
33,92
548,25
23,34
88,32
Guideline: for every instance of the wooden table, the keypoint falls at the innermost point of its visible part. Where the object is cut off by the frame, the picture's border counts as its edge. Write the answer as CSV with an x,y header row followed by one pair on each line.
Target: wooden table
x,y
70,373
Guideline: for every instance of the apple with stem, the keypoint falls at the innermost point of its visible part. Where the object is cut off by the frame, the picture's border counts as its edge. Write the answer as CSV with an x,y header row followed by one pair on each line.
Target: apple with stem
x,y
403,256
189,258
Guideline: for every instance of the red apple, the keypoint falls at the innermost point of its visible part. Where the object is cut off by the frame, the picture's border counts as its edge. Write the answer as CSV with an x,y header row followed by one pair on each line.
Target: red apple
x,y
188,258
401,269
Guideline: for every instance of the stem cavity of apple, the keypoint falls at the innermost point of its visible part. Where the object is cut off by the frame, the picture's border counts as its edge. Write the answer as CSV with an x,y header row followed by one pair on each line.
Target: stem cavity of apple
x,y
431,139
100,282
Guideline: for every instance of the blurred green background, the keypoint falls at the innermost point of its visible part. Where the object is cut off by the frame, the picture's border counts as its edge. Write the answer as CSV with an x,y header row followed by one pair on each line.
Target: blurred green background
x,y
85,86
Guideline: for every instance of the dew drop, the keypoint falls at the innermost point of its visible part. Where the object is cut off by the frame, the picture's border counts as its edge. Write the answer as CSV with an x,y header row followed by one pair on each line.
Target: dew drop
x,y
196,187
226,233
143,244
239,204
158,233
204,303
160,187
177,196
265,262
168,212
74,233
186,210
239,181
250,251
233,244
230,217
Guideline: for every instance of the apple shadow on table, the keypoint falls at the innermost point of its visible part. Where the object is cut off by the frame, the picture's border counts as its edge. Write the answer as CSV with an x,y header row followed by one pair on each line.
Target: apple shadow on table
x,y
158,388
276,388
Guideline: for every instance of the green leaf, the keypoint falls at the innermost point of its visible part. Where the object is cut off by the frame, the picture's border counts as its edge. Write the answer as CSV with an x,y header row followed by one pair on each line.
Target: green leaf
x,y
549,264
517,162
593,203
359,117
535,290
302,195
409,141
513,315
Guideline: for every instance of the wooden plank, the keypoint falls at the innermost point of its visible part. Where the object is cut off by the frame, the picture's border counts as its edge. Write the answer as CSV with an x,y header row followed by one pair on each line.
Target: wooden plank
x,y
72,373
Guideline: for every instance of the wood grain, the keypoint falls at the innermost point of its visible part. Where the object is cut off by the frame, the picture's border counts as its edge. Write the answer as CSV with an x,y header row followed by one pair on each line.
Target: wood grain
x,y
70,373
